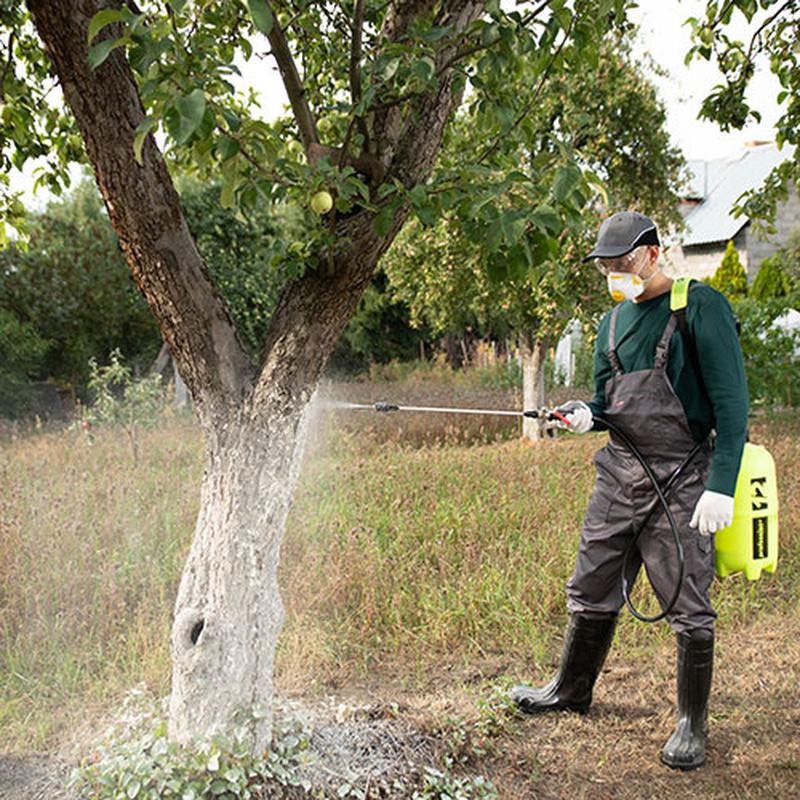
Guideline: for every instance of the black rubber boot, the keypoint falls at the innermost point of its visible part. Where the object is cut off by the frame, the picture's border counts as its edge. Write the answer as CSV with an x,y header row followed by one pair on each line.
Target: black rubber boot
x,y
586,646
686,748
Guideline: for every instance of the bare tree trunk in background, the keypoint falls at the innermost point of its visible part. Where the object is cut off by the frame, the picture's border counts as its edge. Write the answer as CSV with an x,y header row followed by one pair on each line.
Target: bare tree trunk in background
x,y
228,613
533,361
181,396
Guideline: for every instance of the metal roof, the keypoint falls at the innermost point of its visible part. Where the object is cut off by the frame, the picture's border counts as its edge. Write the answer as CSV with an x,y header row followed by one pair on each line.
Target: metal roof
x,y
718,184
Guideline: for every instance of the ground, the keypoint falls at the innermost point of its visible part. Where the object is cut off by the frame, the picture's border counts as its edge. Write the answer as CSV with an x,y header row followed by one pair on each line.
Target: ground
x,y
612,752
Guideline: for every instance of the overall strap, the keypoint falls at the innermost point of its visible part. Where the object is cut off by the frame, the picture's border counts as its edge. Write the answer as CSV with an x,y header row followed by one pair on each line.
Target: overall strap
x,y
662,348
612,343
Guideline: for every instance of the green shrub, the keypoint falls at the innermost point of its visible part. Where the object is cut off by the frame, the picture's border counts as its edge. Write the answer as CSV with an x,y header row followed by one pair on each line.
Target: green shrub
x,y
123,401
730,277
21,350
772,280
771,355
151,767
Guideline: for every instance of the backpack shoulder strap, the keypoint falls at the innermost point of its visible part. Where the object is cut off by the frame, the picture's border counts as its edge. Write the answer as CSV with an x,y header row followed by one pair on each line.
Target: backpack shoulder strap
x,y
679,294
678,302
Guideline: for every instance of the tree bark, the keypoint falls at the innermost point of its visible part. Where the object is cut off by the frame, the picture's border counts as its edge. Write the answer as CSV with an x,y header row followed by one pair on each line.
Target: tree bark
x,y
145,210
228,612
533,361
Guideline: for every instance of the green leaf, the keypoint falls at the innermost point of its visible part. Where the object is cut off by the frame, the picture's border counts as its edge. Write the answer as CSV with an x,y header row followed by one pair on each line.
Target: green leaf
x,y
261,14
383,221
546,218
227,147
191,108
178,5
234,123
424,68
227,195
435,33
512,226
567,180
100,52
496,270
140,134
100,20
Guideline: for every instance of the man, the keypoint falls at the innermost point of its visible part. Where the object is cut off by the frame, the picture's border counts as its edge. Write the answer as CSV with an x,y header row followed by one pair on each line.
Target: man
x,y
648,386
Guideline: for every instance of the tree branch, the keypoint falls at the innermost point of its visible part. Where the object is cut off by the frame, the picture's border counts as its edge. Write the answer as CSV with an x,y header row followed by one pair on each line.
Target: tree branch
x,y
767,22
355,52
535,13
294,85
355,70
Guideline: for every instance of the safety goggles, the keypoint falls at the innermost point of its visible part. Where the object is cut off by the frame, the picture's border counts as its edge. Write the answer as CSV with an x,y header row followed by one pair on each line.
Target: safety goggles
x,y
624,263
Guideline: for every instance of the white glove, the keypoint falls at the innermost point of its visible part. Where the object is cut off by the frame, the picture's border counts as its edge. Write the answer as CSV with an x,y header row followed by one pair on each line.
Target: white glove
x,y
713,512
578,414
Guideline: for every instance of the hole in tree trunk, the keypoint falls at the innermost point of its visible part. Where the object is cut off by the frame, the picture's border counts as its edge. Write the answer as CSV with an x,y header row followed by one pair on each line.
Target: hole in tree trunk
x,y
197,629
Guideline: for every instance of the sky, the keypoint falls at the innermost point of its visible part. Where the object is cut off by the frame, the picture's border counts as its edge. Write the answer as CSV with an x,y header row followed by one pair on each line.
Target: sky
x,y
664,36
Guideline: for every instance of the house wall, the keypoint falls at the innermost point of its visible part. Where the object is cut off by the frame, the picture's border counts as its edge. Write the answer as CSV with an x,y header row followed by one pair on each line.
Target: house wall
x,y
786,220
701,261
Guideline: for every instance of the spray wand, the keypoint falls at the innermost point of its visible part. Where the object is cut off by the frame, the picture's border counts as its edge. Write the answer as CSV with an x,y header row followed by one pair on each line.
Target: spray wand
x,y
548,414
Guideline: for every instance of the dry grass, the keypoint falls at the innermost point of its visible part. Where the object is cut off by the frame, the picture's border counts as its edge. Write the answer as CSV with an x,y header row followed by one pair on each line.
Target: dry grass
x,y
90,550
415,566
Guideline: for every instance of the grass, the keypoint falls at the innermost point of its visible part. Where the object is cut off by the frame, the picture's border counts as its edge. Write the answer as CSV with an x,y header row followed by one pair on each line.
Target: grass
x,y
398,560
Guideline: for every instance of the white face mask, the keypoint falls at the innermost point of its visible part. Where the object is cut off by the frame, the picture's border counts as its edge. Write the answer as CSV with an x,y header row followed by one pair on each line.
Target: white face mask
x,y
624,286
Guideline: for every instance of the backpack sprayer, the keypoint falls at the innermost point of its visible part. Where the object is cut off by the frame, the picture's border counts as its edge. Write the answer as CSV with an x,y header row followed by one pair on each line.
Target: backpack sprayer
x,y
749,544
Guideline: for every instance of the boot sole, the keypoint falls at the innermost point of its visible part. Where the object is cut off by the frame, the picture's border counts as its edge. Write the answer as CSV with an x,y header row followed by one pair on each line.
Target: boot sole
x,y
683,767
535,710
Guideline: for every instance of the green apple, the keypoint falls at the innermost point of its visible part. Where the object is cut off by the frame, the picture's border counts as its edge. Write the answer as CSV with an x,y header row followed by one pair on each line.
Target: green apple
x,y
321,203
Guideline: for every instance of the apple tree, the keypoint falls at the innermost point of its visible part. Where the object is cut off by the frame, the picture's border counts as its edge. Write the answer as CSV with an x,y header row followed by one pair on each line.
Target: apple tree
x,y
150,91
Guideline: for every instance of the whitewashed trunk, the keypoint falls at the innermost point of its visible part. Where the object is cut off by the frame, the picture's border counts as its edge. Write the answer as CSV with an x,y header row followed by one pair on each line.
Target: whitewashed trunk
x,y
533,352
229,611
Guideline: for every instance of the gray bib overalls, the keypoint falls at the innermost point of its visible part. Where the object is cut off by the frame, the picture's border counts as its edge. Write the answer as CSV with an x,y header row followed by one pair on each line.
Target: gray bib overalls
x,y
645,407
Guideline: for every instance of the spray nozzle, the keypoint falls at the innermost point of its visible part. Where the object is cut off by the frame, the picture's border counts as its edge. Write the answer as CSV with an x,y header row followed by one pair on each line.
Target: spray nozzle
x,y
386,407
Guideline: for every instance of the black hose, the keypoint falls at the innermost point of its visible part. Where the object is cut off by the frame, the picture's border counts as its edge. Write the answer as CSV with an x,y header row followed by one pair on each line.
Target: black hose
x,y
662,501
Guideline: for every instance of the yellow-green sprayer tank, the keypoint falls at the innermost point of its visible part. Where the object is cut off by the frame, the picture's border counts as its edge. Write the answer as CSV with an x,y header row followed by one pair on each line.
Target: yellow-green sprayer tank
x,y
750,543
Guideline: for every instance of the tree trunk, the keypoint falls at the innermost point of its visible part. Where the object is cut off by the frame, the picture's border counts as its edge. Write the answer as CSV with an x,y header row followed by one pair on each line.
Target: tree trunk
x,y
533,360
229,612
181,396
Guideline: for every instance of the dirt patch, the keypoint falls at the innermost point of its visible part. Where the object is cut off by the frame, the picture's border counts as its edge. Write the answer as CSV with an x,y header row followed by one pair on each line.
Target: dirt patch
x,y
34,778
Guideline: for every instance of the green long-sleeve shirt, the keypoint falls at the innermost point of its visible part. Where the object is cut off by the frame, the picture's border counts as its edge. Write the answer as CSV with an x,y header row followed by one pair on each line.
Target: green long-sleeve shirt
x,y
713,327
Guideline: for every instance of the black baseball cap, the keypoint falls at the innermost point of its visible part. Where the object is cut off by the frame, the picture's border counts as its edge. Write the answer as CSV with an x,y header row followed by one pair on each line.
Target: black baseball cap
x,y
623,232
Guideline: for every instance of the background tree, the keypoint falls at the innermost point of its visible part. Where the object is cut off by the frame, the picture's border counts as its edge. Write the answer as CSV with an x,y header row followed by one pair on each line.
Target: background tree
x,y
773,33
379,331
379,83
730,277
69,283
21,351
455,273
